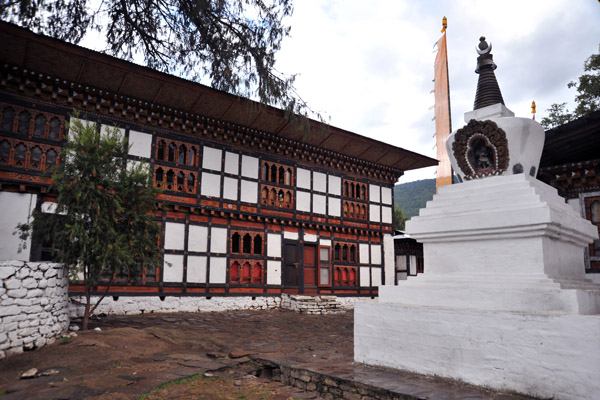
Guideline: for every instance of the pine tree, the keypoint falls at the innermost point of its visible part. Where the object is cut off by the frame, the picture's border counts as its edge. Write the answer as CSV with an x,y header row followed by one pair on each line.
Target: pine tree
x,y
103,223
232,43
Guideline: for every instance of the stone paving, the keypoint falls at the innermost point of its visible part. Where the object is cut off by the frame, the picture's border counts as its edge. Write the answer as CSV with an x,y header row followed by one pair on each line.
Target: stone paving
x,y
133,354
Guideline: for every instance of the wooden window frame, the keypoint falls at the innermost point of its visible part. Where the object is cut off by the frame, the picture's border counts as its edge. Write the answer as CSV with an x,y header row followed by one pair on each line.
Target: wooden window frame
x,y
320,266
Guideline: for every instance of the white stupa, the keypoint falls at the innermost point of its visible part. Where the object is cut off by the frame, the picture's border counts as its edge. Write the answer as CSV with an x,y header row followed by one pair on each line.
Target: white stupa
x,y
503,302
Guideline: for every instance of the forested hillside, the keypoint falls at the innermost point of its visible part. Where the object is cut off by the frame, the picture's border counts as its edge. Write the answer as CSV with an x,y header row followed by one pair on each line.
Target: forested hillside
x,y
412,196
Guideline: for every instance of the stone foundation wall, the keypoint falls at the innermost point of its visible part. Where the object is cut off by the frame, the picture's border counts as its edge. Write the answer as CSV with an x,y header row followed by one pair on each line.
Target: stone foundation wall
x,y
319,304
330,388
123,305
34,305
172,304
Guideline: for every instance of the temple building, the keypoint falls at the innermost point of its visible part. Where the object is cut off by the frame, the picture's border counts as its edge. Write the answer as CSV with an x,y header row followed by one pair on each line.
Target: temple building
x,y
251,204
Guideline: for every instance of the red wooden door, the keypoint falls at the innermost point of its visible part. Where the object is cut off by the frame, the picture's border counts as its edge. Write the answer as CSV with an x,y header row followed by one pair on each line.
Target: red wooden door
x,y
309,265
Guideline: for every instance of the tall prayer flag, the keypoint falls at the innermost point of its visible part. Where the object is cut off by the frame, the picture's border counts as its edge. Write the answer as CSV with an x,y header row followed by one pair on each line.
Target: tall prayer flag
x,y
443,124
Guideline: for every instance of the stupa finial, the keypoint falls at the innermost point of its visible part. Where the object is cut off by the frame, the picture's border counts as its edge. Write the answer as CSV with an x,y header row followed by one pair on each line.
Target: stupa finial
x,y
488,91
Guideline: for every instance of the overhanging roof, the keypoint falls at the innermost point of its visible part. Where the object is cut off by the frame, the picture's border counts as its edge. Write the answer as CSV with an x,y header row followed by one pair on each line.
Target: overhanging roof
x,y
25,49
575,141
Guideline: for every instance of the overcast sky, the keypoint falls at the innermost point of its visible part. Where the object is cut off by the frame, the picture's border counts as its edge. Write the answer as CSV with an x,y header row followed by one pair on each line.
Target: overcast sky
x,y
368,65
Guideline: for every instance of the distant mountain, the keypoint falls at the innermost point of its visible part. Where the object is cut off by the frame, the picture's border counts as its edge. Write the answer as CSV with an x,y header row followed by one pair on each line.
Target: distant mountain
x,y
412,196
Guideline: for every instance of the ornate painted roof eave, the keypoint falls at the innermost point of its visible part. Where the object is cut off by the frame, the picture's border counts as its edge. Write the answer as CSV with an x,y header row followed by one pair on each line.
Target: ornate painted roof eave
x,y
88,68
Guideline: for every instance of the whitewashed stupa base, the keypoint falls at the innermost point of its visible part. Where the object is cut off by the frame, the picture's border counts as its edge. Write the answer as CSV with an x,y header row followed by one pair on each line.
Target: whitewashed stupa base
x,y
503,303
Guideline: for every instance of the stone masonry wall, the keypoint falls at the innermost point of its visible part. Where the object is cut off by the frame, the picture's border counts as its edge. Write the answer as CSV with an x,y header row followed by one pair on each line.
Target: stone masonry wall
x,y
34,305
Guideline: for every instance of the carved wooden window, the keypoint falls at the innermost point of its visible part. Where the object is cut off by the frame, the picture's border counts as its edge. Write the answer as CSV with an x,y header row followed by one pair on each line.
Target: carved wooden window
x,y
353,210
180,181
247,243
234,272
160,150
159,175
172,149
25,154
20,155
235,243
36,157
246,272
4,151
182,154
176,180
346,252
24,120
345,276
257,244
8,116
288,176
54,130
40,126
257,272
30,123
355,190
278,174
51,157
276,197
191,156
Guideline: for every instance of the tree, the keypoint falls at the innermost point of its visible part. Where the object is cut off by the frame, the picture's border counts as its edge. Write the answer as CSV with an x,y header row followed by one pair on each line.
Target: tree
x,y
587,100
557,115
232,42
398,219
102,224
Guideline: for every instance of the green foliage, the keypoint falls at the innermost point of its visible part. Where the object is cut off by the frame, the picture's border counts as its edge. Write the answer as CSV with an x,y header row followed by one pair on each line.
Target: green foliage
x,y
412,196
398,219
587,99
231,42
557,115
102,223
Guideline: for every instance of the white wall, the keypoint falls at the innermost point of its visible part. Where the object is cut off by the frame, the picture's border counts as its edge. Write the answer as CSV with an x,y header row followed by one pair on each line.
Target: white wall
x,y
16,208
140,144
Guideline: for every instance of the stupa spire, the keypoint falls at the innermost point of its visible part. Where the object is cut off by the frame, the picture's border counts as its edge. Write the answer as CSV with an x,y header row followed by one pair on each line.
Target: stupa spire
x,y
488,91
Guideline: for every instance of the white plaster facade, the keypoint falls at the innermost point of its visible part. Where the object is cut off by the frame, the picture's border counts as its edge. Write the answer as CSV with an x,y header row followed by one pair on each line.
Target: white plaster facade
x,y
17,210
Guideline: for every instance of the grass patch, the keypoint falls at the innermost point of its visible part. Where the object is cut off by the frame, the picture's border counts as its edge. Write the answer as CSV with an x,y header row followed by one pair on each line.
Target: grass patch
x,y
172,383
65,340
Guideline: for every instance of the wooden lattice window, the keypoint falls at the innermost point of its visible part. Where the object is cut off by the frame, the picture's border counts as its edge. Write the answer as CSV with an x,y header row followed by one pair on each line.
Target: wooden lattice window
x,y
355,190
24,121
8,116
40,126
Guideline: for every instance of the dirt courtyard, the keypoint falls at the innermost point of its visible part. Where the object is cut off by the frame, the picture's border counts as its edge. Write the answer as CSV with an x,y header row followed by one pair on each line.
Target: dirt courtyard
x,y
227,355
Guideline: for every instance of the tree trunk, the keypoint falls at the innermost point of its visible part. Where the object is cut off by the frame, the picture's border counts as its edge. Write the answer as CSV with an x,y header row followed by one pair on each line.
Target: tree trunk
x,y
86,314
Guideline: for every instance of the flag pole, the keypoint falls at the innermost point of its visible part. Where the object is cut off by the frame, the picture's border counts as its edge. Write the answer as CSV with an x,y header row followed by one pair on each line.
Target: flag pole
x,y
443,121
